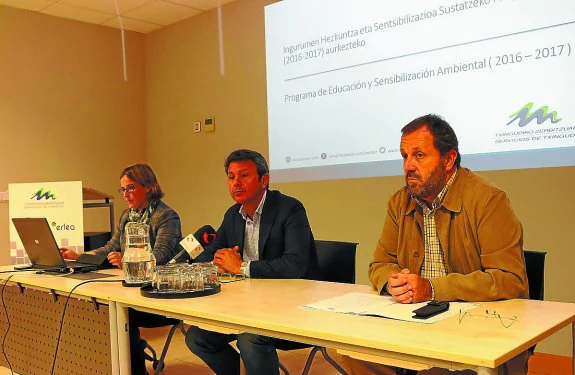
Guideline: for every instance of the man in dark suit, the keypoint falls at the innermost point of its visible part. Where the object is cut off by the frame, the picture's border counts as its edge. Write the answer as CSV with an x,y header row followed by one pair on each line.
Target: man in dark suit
x,y
264,235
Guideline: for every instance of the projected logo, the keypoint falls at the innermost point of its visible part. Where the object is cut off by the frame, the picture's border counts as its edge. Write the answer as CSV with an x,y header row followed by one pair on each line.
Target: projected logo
x,y
525,115
41,194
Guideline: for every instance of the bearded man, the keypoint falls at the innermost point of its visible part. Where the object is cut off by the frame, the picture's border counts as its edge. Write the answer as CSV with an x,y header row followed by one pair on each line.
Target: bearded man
x,y
449,234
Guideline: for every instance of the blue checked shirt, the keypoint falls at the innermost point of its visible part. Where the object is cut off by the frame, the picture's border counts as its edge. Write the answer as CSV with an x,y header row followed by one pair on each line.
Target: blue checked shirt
x,y
252,234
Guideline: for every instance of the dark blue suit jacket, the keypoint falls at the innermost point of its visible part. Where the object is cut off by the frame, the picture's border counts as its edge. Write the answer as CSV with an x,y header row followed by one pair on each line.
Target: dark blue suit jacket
x,y
286,244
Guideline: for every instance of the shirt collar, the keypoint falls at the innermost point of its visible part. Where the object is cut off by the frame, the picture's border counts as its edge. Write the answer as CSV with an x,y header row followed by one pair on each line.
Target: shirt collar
x,y
259,210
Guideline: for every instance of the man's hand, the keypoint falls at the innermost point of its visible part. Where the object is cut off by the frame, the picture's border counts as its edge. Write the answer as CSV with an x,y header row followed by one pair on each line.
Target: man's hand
x,y
420,287
69,254
228,260
407,287
399,288
115,259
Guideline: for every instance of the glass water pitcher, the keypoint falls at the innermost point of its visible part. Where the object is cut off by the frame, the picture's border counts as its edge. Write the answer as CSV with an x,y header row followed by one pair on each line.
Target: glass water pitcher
x,y
138,261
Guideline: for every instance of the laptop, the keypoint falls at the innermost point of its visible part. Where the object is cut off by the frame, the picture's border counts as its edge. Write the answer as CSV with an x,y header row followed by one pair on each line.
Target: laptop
x,y
43,250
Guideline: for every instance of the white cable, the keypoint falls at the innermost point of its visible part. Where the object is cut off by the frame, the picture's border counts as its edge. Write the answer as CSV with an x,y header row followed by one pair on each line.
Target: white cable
x,y
123,40
70,271
220,38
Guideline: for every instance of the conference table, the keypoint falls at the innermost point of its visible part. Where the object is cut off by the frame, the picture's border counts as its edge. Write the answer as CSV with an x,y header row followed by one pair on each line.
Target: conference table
x,y
273,308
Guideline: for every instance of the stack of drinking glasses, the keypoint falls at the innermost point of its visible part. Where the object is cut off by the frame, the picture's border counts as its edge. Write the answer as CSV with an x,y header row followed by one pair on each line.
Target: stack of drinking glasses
x,y
183,280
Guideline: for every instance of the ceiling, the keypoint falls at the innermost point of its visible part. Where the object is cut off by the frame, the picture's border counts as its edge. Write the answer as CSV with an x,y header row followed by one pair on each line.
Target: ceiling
x,y
142,16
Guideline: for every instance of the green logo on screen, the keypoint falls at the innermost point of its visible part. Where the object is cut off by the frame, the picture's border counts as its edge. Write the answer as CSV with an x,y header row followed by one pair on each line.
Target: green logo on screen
x,y
526,114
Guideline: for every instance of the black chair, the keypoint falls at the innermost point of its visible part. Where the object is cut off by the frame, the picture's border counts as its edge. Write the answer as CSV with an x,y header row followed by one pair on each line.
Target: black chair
x,y
158,364
535,265
336,261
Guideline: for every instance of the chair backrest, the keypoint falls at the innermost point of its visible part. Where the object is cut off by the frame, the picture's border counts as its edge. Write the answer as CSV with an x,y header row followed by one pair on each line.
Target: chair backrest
x,y
336,261
535,264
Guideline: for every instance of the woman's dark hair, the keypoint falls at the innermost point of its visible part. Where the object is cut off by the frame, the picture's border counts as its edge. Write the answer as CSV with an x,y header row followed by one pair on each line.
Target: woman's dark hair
x,y
143,175
444,138
245,155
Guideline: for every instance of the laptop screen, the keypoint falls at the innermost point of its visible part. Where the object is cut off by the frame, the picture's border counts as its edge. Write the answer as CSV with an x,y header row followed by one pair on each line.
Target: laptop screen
x,y
39,242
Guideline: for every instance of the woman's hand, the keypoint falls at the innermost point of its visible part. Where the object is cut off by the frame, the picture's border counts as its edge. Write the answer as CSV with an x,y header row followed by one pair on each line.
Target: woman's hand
x,y
115,259
69,253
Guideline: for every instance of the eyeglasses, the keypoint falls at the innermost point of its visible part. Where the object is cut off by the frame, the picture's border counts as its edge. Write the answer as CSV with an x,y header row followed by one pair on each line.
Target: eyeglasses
x,y
127,189
505,321
230,277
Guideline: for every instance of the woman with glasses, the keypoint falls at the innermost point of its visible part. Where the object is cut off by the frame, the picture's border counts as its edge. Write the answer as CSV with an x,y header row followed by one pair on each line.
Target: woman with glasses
x,y
143,194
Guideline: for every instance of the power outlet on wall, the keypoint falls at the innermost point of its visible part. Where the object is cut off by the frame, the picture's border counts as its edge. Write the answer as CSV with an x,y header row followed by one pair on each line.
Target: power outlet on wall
x,y
197,127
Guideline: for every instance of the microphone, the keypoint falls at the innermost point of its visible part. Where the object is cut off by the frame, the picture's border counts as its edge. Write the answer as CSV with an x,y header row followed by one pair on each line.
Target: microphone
x,y
194,244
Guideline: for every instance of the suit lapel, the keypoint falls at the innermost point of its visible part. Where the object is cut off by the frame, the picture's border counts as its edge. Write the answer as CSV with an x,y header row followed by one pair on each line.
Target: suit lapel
x,y
267,220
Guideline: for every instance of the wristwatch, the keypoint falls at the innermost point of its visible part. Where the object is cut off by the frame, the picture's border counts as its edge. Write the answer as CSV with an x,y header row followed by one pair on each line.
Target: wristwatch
x,y
244,268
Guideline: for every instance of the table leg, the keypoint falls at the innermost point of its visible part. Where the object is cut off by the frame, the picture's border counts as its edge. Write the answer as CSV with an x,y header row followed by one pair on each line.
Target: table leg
x,y
573,348
123,339
115,354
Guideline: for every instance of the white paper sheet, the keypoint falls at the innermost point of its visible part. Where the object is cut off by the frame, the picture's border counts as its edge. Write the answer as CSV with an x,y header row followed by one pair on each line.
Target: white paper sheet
x,y
383,306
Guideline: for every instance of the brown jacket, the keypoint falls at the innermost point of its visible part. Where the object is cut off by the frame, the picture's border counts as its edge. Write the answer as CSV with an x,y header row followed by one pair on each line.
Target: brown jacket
x,y
481,238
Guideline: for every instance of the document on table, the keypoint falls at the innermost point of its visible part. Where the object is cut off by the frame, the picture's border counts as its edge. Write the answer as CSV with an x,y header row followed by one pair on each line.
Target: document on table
x,y
383,306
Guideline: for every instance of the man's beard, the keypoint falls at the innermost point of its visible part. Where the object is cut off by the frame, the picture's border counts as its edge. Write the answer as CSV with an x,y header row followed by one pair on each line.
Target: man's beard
x,y
430,187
